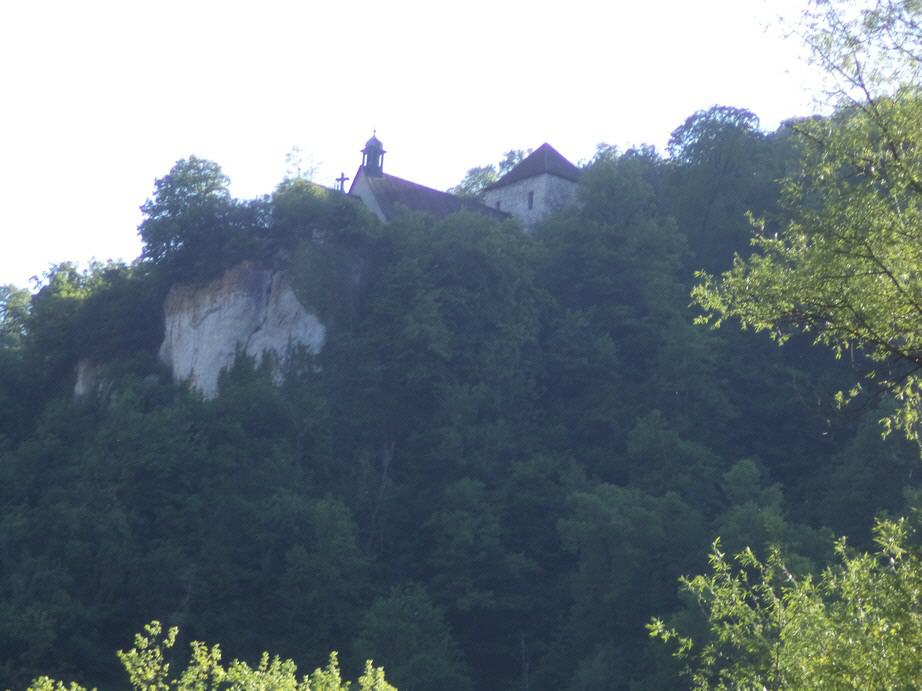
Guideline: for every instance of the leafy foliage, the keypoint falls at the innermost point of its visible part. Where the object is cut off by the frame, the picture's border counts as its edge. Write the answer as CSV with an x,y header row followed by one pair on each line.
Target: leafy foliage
x,y
481,177
148,670
193,227
857,625
717,182
14,310
845,269
186,205
509,449
409,634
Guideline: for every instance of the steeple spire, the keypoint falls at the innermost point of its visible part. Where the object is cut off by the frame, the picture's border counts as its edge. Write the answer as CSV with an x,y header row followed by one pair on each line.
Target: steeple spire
x,y
373,156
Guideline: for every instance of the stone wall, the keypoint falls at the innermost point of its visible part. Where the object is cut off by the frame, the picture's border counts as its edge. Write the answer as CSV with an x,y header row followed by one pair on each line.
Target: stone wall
x,y
362,190
549,193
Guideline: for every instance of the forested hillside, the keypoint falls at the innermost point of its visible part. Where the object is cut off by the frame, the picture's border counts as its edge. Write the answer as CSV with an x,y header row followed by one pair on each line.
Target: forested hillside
x,y
491,477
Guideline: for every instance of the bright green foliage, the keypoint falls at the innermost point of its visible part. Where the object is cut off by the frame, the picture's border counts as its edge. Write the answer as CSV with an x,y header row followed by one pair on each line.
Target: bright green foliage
x,y
48,684
148,670
865,46
858,625
847,269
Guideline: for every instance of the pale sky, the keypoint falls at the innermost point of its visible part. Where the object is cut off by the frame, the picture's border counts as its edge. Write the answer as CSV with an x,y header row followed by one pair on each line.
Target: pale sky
x,y
98,99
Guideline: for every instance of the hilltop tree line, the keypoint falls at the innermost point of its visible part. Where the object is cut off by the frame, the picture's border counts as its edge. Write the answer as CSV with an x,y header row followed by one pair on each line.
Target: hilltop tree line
x,y
492,476
512,446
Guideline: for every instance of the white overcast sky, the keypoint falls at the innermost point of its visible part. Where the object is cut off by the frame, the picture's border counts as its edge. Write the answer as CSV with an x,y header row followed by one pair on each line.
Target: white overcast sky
x,y
97,99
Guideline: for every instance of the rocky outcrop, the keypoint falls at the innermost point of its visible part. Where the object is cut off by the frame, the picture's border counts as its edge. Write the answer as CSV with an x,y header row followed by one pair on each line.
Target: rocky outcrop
x,y
249,309
91,378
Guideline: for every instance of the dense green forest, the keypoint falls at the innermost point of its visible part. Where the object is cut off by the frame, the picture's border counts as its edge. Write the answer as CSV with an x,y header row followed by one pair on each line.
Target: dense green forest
x,y
491,477
515,450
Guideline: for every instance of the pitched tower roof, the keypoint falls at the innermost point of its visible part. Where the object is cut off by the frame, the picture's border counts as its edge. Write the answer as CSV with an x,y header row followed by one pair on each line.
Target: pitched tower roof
x,y
544,159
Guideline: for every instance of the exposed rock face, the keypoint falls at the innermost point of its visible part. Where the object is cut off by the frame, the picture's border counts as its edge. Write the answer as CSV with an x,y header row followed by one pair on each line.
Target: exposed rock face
x,y
90,378
248,308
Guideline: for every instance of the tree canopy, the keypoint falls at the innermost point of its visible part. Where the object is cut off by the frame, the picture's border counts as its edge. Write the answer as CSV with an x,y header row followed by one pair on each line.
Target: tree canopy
x,y
507,452
855,626
847,268
476,179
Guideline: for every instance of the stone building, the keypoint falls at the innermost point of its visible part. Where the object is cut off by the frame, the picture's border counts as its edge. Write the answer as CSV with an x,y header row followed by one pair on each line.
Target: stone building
x,y
542,183
385,194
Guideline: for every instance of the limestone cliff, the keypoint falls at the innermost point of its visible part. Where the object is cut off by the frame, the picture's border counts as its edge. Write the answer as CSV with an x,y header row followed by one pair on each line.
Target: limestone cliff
x,y
248,308
91,378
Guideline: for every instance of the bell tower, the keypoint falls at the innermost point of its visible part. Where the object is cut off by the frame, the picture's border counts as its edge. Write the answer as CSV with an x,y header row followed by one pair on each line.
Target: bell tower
x,y
373,157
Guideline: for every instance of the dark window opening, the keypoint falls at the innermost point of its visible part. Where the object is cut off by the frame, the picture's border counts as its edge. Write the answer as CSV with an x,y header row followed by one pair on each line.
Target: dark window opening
x,y
497,204
531,200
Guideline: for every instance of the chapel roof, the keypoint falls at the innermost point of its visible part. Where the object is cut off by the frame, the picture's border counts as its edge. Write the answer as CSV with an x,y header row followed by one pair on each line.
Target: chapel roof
x,y
374,142
392,192
544,159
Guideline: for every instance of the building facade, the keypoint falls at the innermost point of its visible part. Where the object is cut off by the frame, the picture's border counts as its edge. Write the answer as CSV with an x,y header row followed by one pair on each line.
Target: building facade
x,y
540,184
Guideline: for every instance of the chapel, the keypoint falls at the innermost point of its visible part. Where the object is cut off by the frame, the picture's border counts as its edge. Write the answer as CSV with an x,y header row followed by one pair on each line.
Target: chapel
x,y
541,183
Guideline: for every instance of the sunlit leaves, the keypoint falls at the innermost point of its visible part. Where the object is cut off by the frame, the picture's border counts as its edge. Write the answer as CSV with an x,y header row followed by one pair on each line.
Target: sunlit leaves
x,y
847,269
856,625
148,670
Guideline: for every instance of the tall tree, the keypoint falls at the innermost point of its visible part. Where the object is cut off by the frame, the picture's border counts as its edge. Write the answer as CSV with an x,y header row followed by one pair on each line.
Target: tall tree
x,y
847,270
724,167
184,204
193,228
